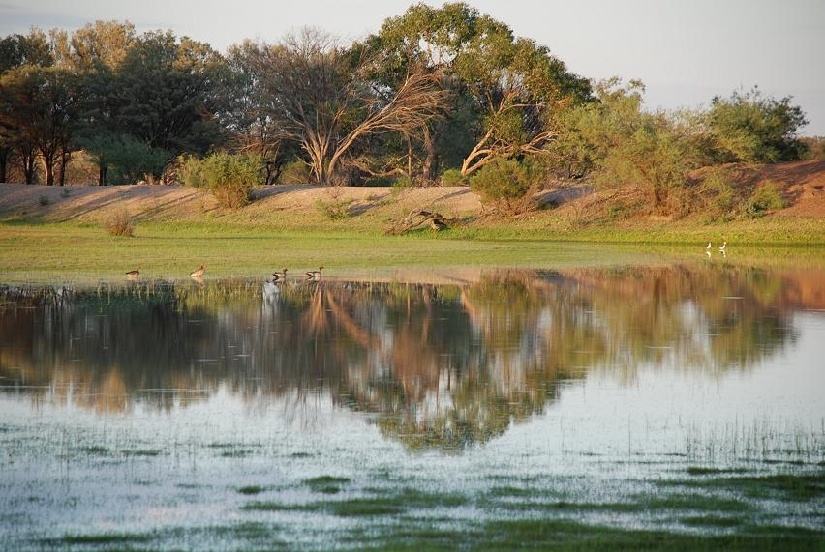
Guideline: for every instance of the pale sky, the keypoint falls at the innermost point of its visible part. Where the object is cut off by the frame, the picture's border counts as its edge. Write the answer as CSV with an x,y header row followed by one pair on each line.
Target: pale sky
x,y
684,51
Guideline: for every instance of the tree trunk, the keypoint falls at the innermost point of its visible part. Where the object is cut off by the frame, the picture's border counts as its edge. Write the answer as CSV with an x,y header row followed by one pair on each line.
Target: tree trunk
x,y
4,160
65,157
48,165
101,175
430,158
28,162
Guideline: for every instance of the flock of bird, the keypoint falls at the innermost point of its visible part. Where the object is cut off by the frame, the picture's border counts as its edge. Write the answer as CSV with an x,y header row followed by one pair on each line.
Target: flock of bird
x,y
722,249
279,277
315,275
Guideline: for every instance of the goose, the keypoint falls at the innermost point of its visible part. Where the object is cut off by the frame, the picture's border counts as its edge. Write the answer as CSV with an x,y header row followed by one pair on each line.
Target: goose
x,y
709,246
279,276
315,275
722,247
198,273
133,274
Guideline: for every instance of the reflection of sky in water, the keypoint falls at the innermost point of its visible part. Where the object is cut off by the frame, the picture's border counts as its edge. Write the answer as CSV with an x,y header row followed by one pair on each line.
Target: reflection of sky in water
x,y
655,413
144,466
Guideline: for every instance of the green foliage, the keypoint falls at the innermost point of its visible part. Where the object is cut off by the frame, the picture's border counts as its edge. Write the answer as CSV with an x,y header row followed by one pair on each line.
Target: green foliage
x,y
402,182
120,223
453,177
163,93
509,184
720,201
617,142
230,178
814,147
751,127
130,159
658,158
504,91
587,133
295,173
336,209
764,199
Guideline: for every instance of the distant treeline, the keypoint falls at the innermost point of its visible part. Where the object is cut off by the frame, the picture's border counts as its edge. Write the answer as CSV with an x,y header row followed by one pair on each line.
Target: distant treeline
x,y
436,95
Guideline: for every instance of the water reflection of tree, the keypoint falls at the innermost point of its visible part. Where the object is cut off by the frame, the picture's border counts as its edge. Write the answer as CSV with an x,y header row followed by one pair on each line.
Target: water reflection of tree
x,y
440,366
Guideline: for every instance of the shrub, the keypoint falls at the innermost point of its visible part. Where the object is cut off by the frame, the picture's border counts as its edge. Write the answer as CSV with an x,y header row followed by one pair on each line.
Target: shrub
x,y
402,182
44,200
230,178
120,223
453,177
337,209
295,173
187,171
720,197
764,199
508,184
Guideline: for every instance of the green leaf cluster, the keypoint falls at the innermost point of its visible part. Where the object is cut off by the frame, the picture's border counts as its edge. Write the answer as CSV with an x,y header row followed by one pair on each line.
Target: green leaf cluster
x,y
509,184
753,128
230,177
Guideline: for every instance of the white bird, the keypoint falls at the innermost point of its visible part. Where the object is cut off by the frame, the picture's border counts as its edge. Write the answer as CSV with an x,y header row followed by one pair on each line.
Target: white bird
x,y
722,247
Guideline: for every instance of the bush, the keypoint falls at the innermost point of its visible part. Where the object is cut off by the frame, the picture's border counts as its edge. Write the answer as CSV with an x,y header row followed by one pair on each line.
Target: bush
x,y
187,171
402,182
230,178
764,199
337,209
120,223
720,197
453,177
508,184
295,173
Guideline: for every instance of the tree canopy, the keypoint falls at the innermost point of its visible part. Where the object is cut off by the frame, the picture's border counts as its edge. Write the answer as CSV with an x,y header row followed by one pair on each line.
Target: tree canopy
x,y
435,92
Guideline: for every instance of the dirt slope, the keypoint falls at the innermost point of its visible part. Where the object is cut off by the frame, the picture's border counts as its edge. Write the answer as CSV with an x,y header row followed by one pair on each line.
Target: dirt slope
x,y
802,184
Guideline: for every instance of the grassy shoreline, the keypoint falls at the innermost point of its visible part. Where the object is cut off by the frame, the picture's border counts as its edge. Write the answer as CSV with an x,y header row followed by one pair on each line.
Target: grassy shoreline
x,y
48,251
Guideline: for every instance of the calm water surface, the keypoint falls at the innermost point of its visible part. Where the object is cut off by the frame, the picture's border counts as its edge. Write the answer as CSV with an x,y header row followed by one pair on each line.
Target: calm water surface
x,y
235,414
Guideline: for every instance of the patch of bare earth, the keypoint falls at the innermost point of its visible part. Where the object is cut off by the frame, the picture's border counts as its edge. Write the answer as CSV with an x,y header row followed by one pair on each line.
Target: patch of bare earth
x,y
802,184
98,204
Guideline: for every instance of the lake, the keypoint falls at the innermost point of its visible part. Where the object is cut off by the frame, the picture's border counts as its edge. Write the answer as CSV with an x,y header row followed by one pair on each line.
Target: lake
x,y
681,400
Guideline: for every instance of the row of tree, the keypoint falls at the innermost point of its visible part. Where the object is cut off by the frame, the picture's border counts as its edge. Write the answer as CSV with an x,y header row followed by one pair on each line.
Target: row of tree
x,y
436,94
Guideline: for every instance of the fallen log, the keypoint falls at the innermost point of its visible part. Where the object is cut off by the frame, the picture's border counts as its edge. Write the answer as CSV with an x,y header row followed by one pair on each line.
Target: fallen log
x,y
415,219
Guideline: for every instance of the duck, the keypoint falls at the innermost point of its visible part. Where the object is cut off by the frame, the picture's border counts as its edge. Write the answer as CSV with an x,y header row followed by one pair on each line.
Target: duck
x,y
198,273
133,274
315,275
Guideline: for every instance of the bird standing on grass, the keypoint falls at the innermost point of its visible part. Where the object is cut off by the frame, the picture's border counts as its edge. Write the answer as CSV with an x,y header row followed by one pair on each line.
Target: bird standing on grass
x,y
315,275
279,276
133,274
723,247
198,273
